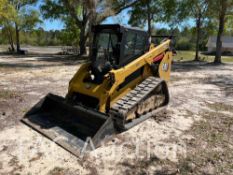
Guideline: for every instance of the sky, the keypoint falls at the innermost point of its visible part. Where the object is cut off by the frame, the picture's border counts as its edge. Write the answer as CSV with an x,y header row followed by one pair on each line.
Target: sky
x,y
58,24
52,25
122,18
47,23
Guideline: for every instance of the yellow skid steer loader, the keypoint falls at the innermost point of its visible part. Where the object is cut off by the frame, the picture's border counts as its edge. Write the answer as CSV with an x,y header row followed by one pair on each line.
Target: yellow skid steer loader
x,y
123,85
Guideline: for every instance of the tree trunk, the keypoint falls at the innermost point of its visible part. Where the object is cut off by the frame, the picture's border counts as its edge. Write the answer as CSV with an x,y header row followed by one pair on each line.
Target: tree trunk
x,y
220,32
149,17
82,35
10,39
12,44
82,41
198,29
17,38
92,21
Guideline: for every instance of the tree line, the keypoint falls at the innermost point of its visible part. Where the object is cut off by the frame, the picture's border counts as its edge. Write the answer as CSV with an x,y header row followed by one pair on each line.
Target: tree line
x,y
40,37
184,37
18,20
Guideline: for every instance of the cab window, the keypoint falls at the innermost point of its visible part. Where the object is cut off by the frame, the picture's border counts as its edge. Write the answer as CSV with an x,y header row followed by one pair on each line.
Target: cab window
x,y
130,44
135,45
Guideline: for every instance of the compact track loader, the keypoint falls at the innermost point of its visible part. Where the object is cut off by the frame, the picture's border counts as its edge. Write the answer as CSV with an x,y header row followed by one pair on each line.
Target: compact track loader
x,y
123,84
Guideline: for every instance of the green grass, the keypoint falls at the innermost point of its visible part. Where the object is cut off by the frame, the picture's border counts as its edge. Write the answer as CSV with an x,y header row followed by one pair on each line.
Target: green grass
x,y
212,143
6,94
189,56
220,107
3,48
56,171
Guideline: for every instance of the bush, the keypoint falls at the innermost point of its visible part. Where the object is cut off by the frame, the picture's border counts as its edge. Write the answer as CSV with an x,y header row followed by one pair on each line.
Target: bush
x,y
184,44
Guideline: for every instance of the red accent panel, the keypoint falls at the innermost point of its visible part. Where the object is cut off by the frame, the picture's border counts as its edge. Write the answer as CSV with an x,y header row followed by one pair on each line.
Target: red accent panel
x,y
158,58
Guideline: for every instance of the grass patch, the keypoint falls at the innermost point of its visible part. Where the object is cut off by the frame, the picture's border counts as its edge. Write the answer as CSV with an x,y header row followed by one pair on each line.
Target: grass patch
x,y
190,55
6,94
140,167
220,107
211,151
66,171
57,171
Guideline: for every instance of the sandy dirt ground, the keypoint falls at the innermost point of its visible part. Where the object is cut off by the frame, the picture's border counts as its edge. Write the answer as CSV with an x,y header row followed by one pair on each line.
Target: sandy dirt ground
x,y
170,143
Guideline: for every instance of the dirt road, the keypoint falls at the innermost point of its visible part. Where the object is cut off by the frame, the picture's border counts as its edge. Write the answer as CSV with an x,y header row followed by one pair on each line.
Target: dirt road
x,y
194,136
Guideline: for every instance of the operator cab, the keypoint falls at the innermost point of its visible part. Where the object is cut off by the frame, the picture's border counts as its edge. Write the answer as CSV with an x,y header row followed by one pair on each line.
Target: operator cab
x,y
114,46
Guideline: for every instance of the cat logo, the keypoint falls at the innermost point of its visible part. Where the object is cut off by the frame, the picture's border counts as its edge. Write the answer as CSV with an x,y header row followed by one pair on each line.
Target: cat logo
x,y
165,67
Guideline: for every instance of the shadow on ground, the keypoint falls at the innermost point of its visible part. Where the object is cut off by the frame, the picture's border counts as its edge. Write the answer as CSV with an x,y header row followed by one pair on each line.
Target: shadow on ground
x,y
41,61
189,66
140,167
224,82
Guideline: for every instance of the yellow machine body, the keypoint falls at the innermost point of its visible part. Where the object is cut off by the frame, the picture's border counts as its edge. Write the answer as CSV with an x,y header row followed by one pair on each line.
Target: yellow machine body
x,y
108,93
113,92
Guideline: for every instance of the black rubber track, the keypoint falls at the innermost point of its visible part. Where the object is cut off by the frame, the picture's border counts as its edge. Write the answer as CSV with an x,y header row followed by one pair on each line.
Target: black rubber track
x,y
129,102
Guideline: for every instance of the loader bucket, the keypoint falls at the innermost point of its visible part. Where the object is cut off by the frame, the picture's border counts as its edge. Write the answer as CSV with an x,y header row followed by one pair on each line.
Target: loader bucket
x,y
67,125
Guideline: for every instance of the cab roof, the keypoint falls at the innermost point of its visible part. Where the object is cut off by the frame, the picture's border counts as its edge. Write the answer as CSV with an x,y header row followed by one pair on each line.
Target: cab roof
x,y
120,28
